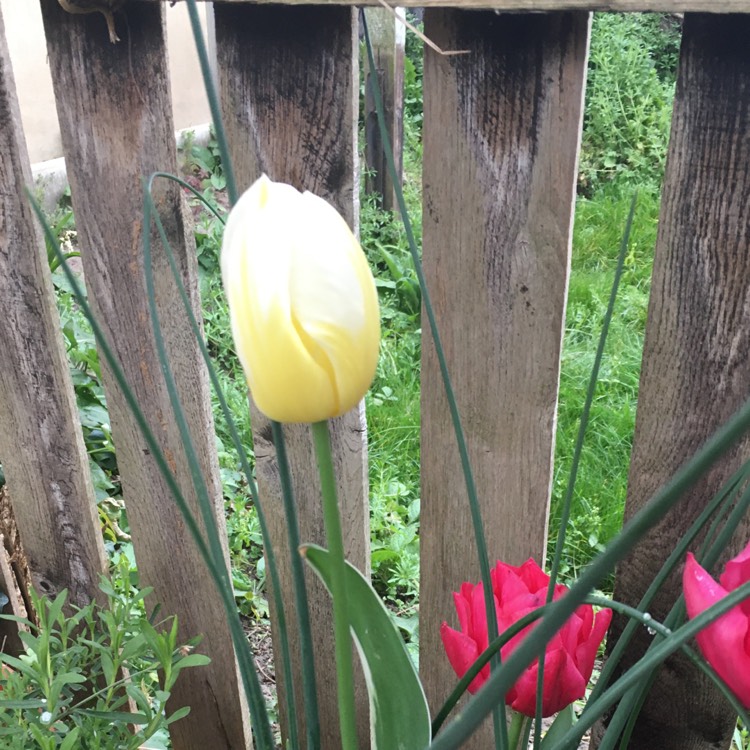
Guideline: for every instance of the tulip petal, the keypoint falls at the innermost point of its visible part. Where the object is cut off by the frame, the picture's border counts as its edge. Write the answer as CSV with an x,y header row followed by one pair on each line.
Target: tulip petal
x,y
723,643
462,652
463,600
335,304
563,684
302,302
533,576
479,618
737,572
585,653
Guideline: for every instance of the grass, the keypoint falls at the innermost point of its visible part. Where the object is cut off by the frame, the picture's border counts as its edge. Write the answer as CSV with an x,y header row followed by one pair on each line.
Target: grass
x,y
601,485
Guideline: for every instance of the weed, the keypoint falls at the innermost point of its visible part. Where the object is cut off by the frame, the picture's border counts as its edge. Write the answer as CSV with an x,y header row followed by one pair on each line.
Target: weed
x,y
628,101
79,675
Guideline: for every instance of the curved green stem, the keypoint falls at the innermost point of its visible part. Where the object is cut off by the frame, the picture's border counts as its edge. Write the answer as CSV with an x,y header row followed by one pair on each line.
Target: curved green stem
x,y
332,520
311,710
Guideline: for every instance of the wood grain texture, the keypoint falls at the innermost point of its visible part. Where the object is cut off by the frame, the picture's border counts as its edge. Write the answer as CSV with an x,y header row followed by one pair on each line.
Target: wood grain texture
x,y
501,133
696,361
667,6
115,115
387,36
289,81
41,444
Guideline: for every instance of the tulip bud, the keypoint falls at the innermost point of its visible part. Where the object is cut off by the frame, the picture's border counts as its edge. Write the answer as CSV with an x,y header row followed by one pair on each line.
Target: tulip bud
x,y
569,654
302,302
724,643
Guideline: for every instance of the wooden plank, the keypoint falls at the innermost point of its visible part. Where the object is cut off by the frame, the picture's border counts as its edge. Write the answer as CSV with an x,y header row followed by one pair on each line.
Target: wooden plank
x,y
116,121
696,362
41,444
501,133
388,37
666,6
290,86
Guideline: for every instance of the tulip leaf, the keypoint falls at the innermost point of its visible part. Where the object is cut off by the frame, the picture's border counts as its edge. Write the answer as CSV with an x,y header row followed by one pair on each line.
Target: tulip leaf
x,y
562,723
399,716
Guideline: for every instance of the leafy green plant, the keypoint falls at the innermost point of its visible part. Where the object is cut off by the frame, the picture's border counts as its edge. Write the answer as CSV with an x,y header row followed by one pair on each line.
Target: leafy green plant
x,y
413,100
62,223
206,161
741,738
628,101
97,679
85,373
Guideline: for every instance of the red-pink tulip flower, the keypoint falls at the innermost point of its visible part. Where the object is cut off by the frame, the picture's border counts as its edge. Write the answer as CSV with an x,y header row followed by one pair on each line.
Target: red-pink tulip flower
x,y
725,643
569,657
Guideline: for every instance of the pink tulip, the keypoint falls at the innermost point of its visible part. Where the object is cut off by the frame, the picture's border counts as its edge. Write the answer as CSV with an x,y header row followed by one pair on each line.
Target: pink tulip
x,y
569,657
725,643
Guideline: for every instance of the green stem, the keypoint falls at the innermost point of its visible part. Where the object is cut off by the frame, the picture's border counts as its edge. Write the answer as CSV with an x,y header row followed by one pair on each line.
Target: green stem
x,y
515,732
344,668
300,597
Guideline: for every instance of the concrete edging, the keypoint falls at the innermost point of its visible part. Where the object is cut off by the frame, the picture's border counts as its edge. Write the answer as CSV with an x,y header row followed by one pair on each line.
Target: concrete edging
x,y
51,178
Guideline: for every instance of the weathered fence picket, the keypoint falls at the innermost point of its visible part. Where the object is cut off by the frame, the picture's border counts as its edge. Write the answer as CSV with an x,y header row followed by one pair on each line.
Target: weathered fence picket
x,y
41,445
501,132
696,360
290,86
116,121
388,39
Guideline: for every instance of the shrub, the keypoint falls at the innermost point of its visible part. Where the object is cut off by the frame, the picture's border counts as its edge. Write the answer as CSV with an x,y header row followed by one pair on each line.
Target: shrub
x,y
628,100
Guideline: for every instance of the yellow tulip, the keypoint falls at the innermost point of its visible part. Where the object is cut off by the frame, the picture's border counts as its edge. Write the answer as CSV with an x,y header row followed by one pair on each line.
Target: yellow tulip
x,y
302,302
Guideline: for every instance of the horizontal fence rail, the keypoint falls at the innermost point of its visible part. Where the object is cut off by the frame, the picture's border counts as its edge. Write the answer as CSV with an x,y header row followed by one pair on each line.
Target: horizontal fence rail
x,y
662,6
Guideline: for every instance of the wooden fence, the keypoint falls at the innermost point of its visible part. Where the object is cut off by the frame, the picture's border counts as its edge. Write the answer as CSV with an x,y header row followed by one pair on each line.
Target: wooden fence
x,y
501,132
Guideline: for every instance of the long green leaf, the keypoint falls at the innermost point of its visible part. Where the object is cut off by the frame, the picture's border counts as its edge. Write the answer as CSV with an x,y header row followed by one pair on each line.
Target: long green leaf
x,y
22,704
220,570
564,721
262,727
629,708
634,676
116,717
677,555
578,451
399,715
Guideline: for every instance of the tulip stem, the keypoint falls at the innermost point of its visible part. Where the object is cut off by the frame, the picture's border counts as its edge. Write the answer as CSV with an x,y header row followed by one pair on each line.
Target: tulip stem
x,y
332,521
515,733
